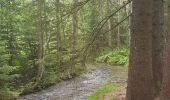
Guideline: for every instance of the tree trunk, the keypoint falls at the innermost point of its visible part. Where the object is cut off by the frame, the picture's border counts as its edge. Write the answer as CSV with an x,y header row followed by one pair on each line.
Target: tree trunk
x,y
41,44
109,25
129,12
140,68
118,27
94,17
74,35
58,33
157,45
75,25
165,91
47,27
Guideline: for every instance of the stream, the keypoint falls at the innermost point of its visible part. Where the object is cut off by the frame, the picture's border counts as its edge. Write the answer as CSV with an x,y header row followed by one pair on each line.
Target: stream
x,y
83,86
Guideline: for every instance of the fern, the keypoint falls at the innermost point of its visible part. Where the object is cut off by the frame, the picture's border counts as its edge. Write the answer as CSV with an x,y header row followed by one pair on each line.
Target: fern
x,y
116,57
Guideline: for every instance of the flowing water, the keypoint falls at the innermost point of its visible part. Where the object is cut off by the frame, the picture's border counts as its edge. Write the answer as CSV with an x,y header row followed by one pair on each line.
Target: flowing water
x,y
81,87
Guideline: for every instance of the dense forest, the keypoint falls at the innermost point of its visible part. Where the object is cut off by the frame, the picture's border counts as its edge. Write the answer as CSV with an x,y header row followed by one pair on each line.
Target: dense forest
x,y
84,49
43,42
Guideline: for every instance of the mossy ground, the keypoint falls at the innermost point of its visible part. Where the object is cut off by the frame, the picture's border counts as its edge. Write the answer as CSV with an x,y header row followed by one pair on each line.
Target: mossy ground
x,y
101,92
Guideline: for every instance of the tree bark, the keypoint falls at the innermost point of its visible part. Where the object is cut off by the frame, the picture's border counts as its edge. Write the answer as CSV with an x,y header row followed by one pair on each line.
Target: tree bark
x,y
165,91
75,25
157,45
58,33
140,85
40,31
118,27
74,34
129,12
109,25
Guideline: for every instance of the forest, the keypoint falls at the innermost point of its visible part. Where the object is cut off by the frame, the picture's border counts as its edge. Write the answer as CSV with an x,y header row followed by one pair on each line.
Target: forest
x,y
84,49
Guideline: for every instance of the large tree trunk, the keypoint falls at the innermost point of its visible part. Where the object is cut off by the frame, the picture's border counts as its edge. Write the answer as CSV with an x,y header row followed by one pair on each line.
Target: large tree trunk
x,y
140,69
157,46
165,91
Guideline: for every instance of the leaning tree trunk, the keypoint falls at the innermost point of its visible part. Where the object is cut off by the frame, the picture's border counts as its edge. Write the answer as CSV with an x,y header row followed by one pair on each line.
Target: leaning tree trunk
x,y
157,45
140,68
165,91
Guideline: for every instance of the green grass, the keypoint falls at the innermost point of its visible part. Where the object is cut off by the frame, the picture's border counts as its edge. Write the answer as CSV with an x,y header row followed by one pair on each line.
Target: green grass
x,y
101,92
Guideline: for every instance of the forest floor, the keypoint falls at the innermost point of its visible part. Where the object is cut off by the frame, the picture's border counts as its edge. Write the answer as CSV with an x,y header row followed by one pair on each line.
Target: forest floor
x,y
84,85
118,95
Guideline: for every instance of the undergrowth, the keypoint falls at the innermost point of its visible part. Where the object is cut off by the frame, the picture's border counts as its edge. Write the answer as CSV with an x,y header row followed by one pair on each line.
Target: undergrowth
x,y
116,57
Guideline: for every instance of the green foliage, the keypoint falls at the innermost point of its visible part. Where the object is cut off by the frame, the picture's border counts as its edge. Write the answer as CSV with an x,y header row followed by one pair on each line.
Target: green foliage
x,y
8,69
50,77
6,78
8,73
100,93
7,95
116,57
19,41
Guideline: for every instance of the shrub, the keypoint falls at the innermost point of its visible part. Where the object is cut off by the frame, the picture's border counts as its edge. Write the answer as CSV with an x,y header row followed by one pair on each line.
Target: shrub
x,y
116,57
